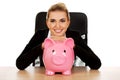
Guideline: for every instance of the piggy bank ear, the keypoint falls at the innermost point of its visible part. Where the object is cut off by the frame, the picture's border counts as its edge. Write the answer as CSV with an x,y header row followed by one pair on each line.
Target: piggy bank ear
x,y
69,42
48,42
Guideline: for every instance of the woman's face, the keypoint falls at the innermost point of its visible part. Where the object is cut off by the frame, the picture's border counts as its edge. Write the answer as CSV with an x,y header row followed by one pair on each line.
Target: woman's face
x,y
58,23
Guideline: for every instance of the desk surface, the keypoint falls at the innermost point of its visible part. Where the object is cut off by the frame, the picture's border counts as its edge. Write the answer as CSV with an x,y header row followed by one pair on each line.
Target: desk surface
x,y
78,73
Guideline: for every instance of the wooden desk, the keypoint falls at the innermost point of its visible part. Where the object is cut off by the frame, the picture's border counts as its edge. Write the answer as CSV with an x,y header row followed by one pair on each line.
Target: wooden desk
x,y
78,73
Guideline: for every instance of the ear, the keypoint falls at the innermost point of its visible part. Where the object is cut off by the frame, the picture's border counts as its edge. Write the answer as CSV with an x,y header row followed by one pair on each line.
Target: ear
x,y
48,42
69,42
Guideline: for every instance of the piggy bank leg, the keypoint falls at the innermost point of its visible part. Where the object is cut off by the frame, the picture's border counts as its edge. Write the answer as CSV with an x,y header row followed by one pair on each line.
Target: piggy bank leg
x,y
48,72
68,72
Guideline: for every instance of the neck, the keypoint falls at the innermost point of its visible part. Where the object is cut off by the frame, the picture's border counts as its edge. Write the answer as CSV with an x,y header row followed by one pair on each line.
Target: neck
x,y
58,37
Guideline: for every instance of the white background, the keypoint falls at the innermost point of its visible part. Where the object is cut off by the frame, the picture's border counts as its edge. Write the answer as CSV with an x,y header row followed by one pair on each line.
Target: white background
x,y
17,24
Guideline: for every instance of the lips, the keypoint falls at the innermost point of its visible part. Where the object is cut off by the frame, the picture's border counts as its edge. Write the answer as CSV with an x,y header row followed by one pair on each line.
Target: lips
x,y
58,30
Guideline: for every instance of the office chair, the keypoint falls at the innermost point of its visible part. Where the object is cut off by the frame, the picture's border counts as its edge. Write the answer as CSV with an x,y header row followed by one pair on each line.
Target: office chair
x,y
78,23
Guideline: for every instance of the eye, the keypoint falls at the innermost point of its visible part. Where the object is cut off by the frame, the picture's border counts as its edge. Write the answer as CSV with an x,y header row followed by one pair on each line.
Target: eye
x,y
62,20
53,51
52,20
64,51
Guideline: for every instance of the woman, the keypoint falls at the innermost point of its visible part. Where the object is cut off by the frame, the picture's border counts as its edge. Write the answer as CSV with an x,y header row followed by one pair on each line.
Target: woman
x,y
58,21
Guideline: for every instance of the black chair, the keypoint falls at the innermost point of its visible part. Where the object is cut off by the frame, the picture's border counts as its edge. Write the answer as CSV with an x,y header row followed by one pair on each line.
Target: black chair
x,y
78,23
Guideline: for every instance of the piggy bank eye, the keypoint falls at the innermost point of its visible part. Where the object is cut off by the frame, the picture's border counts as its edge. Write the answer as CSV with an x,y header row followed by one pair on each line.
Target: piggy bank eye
x,y
53,51
64,51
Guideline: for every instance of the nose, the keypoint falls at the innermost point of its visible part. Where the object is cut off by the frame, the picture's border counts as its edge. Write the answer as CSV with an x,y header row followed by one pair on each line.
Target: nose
x,y
58,60
57,25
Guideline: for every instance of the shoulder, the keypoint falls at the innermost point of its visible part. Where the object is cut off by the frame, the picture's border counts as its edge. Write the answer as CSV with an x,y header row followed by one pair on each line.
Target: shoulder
x,y
71,33
41,34
75,35
42,31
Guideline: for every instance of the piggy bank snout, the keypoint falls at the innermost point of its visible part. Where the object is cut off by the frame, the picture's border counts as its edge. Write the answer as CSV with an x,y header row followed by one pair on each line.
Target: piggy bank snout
x,y
58,60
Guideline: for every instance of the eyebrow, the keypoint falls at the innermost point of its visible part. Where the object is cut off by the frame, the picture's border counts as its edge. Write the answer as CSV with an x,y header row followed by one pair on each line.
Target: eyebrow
x,y
55,19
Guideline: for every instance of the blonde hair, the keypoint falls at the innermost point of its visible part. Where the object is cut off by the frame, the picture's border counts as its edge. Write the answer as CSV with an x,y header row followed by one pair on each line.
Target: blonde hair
x,y
58,7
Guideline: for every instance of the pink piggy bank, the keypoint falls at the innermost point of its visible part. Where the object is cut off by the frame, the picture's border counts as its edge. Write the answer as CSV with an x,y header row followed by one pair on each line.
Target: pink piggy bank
x,y
58,56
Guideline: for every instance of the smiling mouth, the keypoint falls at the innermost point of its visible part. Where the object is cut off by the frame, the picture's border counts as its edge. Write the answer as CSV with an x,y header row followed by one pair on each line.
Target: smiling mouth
x,y
58,31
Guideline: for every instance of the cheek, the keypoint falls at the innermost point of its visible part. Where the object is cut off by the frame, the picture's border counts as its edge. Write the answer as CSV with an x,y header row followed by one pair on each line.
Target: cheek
x,y
50,26
65,26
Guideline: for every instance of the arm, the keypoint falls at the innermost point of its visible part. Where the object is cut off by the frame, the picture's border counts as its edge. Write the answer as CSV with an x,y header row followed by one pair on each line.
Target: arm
x,y
82,50
87,56
31,52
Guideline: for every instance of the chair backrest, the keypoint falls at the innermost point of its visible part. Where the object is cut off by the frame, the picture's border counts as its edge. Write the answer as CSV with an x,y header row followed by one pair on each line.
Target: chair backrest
x,y
78,23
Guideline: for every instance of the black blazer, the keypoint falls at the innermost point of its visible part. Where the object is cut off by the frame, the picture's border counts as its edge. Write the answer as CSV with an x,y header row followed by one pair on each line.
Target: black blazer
x,y
33,50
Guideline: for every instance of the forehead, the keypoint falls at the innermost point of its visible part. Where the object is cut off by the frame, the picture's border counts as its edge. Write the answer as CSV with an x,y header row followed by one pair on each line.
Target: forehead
x,y
57,14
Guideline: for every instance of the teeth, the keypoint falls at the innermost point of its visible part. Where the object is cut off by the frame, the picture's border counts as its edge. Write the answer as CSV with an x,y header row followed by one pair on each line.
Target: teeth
x,y
58,31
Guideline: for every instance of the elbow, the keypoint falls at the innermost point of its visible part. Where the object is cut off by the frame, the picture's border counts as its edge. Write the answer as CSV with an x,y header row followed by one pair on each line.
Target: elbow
x,y
96,64
19,65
